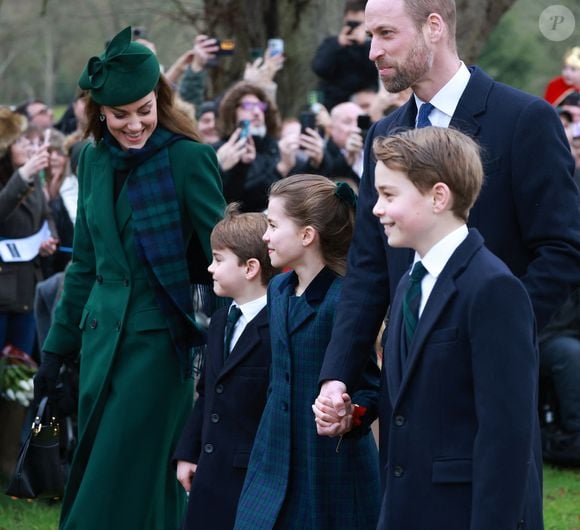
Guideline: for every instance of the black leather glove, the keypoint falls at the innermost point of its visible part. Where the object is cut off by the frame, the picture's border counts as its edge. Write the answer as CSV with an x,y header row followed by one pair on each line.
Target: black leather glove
x,y
46,378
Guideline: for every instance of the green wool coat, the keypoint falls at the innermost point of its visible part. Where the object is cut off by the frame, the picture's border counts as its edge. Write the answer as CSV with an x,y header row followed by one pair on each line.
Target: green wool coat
x,y
132,399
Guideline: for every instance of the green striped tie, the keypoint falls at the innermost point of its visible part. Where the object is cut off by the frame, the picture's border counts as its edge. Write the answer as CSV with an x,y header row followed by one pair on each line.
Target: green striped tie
x,y
412,300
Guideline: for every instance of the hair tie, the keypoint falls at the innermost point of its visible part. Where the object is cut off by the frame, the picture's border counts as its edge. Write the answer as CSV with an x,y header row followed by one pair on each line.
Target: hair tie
x,y
345,193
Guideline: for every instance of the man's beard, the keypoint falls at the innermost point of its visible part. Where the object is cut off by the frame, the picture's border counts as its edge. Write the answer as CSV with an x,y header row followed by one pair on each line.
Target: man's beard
x,y
417,63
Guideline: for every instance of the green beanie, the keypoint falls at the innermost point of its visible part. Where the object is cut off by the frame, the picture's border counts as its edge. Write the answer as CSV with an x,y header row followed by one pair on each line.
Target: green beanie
x,y
124,73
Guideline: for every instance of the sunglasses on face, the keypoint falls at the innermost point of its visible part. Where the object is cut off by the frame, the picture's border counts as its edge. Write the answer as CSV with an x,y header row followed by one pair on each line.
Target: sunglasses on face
x,y
251,105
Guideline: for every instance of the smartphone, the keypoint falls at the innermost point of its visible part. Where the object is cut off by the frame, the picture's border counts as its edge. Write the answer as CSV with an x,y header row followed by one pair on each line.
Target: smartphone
x,y
364,123
307,119
226,46
276,47
244,125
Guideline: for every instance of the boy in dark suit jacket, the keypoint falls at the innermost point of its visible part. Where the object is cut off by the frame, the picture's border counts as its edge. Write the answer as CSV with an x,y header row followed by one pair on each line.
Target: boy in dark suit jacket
x,y
214,449
460,362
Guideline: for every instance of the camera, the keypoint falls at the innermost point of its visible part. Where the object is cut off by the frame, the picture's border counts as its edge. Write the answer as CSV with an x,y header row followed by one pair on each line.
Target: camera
x,y
307,119
226,46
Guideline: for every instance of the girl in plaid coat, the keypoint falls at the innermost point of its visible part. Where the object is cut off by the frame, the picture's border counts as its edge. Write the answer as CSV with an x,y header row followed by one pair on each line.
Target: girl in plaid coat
x,y
297,479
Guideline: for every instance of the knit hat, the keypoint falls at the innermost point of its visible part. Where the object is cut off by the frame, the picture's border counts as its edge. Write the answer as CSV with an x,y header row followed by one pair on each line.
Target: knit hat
x,y
12,125
124,73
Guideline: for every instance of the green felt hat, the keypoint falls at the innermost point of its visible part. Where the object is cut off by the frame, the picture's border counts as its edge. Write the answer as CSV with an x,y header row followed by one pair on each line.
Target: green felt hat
x,y
124,73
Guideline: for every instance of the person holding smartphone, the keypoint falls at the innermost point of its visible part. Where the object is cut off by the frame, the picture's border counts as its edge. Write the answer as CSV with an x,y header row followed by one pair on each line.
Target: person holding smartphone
x,y
342,62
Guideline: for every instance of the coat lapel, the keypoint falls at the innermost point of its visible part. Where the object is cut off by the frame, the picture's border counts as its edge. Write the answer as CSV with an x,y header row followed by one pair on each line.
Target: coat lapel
x,y
473,102
122,209
394,345
215,345
104,209
247,341
443,292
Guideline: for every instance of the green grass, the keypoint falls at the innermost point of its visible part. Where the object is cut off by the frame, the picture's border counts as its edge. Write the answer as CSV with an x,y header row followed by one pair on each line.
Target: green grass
x,y
561,505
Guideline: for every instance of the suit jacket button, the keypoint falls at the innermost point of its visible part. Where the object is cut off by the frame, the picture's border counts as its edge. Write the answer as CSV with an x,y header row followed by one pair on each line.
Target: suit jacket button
x,y
93,324
398,471
219,389
208,448
399,420
215,418
99,279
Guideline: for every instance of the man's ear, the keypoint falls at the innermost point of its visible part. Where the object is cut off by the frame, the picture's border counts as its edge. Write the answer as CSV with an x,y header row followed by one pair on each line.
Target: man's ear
x,y
253,268
442,197
308,235
434,28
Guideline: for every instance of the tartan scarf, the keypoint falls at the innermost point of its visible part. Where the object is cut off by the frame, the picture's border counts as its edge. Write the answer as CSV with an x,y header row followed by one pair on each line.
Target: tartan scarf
x,y
159,236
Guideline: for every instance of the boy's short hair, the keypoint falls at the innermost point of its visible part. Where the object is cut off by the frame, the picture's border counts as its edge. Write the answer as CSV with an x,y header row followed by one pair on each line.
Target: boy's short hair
x,y
435,154
242,234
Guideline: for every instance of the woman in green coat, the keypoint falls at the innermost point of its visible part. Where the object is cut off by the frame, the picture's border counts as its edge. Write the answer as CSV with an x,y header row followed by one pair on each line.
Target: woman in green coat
x,y
149,193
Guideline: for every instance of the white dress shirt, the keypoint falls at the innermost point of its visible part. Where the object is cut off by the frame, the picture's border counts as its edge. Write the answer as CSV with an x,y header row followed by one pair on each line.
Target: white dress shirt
x,y
436,259
249,311
447,99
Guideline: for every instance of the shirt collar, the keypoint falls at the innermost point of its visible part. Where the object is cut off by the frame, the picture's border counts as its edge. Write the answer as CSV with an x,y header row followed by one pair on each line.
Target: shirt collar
x,y
251,309
438,255
447,99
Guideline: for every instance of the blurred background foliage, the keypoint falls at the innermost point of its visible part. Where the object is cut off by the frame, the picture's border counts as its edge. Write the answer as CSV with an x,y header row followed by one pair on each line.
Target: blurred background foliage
x,y
44,44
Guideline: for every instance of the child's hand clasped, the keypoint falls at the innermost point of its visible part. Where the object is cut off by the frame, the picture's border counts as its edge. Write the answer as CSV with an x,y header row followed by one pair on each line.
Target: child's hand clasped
x,y
328,423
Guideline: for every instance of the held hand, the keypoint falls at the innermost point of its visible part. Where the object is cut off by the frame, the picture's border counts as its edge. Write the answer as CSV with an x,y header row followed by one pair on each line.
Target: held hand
x,y
336,390
288,147
204,49
249,154
38,161
48,247
328,423
313,145
353,146
230,153
185,473
46,378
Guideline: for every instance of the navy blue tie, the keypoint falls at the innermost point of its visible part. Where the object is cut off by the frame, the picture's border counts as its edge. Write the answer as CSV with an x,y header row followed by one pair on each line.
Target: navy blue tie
x,y
412,300
423,118
234,315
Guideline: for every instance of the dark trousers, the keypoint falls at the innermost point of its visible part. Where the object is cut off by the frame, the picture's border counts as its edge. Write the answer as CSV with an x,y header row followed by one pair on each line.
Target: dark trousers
x,y
560,359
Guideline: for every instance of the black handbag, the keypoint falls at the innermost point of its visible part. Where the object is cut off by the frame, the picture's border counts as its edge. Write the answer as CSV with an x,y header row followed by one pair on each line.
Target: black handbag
x,y
39,471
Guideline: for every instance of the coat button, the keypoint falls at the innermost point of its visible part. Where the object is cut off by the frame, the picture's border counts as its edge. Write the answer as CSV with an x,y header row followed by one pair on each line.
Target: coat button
x,y
398,471
125,282
99,279
93,324
399,420
118,325
215,418
219,389
208,448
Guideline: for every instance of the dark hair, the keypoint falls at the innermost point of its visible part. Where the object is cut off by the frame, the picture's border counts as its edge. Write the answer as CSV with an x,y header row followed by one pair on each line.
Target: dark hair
x,y
168,115
22,108
354,6
242,234
435,154
227,122
312,200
